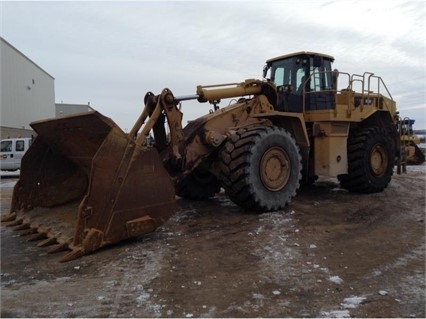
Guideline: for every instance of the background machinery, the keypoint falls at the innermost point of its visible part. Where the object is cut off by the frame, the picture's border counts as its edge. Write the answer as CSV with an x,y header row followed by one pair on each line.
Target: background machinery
x,y
411,153
85,183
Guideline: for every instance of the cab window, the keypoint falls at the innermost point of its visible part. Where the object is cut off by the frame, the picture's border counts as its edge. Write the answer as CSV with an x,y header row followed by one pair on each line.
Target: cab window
x,y
300,80
290,72
281,72
321,77
20,145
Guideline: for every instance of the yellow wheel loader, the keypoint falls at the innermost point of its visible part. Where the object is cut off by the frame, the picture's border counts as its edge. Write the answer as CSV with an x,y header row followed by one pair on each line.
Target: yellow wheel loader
x,y
85,183
411,152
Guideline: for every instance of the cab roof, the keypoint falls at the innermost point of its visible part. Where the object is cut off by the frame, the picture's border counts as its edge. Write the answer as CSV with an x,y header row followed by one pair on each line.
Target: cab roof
x,y
286,56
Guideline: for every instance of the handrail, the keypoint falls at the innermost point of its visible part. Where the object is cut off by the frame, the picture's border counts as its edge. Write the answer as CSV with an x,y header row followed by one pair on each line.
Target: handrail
x,y
366,80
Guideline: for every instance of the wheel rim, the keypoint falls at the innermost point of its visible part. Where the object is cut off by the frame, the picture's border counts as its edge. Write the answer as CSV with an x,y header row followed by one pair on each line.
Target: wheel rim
x,y
378,160
275,169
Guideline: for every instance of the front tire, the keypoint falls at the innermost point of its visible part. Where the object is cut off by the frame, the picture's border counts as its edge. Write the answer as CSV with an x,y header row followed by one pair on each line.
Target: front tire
x,y
261,168
371,155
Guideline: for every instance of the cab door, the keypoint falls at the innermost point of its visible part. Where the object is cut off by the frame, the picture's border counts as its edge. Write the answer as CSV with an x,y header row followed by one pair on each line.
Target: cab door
x,y
320,88
289,76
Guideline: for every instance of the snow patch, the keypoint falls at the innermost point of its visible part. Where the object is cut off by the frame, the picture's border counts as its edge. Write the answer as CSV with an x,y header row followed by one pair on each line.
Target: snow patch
x,y
258,296
336,314
336,279
144,297
352,302
348,303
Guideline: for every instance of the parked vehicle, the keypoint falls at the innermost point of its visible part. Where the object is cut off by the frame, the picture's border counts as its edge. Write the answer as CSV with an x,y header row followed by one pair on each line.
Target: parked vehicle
x,y
411,152
12,150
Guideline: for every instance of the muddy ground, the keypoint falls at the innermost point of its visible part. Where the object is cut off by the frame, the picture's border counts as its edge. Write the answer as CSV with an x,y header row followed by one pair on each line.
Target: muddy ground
x,y
329,254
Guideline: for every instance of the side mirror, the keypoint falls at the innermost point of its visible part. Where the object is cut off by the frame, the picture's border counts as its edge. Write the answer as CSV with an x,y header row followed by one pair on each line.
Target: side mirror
x,y
265,70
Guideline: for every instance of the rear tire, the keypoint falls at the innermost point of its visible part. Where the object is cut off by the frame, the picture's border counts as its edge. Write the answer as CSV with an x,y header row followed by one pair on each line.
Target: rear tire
x,y
371,158
261,168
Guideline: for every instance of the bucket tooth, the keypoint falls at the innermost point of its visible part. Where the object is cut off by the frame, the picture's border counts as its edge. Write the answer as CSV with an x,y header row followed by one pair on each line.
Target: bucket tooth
x,y
47,242
15,222
37,236
29,231
8,218
23,226
74,254
58,248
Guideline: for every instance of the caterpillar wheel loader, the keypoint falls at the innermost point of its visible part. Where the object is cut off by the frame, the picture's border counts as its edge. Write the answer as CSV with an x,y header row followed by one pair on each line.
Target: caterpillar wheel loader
x,y
86,184
411,153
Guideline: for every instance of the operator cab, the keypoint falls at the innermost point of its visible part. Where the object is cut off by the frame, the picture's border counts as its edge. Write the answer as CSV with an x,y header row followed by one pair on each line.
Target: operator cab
x,y
302,77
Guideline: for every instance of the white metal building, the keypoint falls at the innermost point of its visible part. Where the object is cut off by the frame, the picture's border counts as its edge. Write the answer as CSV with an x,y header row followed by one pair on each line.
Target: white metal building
x,y
27,91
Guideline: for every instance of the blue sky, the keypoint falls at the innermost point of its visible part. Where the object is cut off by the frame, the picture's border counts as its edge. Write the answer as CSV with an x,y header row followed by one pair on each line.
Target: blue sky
x,y
112,53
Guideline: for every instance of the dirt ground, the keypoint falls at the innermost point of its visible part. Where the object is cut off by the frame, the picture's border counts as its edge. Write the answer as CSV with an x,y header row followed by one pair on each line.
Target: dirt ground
x,y
329,254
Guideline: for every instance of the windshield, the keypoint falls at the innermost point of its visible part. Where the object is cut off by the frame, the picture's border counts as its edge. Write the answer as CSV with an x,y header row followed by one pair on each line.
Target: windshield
x,y
6,146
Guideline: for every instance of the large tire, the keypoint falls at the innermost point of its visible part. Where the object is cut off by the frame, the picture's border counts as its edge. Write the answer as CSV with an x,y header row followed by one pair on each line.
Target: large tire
x,y
371,158
198,185
261,168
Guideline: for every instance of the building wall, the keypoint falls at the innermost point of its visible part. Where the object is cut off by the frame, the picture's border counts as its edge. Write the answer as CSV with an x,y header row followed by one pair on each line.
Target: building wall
x,y
27,91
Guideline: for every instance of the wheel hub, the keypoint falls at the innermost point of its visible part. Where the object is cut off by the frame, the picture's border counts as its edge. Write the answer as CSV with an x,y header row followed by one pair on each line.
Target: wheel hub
x,y
378,160
275,169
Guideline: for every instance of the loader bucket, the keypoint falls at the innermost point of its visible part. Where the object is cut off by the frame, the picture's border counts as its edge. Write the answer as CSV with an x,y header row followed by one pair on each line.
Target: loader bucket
x,y
416,157
85,184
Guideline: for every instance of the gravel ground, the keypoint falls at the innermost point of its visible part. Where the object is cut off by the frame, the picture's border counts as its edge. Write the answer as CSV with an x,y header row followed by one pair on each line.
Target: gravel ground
x,y
329,254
